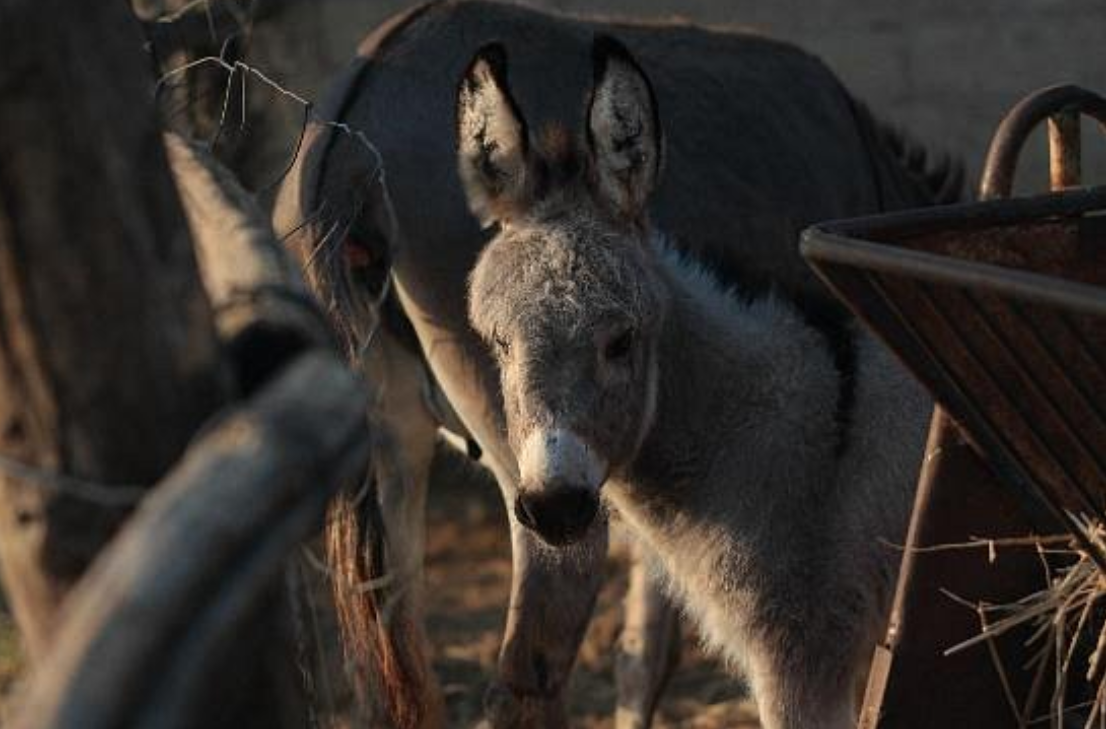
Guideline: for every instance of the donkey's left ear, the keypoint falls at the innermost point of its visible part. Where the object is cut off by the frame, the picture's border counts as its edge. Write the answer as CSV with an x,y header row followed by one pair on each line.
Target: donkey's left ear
x,y
624,129
493,153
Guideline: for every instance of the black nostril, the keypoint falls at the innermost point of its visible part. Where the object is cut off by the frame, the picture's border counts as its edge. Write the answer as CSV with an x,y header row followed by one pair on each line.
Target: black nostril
x,y
524,515
579,507
560,514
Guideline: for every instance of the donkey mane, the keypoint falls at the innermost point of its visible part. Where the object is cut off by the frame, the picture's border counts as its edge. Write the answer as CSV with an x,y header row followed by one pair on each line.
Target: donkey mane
x,y
723,300
937,178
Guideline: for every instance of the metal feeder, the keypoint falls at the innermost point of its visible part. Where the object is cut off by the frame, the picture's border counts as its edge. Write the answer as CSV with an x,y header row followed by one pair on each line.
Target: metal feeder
x,y
999,308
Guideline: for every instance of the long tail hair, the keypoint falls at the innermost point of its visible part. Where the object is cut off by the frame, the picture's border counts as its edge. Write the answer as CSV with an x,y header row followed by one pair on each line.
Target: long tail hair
x,y
383,657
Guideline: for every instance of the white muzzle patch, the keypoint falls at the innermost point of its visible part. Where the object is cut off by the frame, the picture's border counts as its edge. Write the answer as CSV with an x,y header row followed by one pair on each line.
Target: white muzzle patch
x,y
559,455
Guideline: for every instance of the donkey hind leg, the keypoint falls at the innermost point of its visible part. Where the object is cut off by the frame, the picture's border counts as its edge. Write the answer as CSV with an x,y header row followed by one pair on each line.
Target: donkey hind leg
x,y
650,643
402,472
553,592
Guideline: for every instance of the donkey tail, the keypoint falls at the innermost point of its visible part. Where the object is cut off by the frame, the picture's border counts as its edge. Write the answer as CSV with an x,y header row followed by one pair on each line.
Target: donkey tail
x,y
383,653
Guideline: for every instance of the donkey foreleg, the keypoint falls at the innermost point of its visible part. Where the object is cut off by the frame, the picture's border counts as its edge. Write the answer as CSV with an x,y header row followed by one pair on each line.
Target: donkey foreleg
x,y
650,645
790,695
553,592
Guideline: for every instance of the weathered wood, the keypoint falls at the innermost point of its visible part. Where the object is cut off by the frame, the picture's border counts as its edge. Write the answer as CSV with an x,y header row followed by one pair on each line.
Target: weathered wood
x,y
265,315
263,309
146,624
108,358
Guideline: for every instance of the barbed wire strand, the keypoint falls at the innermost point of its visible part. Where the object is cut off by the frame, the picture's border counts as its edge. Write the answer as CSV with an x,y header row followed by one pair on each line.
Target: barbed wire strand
x,y
103,494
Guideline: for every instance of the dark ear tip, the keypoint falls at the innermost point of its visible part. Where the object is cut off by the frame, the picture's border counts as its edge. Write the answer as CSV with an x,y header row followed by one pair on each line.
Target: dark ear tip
x,y
494,55
604,48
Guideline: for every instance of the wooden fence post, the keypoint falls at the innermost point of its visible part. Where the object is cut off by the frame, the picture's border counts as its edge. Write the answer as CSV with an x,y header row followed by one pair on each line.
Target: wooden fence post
x,y
108,357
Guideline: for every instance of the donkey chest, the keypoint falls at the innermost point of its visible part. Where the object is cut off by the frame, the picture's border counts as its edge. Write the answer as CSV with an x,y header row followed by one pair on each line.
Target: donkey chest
x,y
711,574
720,587
738,572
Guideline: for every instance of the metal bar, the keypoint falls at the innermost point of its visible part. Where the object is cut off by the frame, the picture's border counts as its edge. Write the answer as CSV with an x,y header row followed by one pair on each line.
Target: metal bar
x,y
1033,287
913,685
961,216
1002,157
1064,162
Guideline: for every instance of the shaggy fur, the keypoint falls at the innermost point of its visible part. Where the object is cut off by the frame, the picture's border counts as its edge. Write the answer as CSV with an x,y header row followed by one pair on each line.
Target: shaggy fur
x,y
715,422
763,141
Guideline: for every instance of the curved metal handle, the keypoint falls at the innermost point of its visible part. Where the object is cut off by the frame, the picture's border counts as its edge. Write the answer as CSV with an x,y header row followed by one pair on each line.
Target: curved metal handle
x,y
1062,105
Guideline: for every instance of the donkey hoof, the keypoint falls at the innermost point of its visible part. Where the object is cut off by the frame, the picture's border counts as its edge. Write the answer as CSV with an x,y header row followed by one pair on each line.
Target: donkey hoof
x,y
504,709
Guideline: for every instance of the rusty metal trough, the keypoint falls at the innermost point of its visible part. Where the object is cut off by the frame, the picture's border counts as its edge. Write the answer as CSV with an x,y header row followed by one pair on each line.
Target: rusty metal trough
x,y
999,308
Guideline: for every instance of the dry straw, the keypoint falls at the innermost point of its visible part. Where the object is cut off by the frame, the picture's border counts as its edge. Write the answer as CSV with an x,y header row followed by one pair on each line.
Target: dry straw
x,y
1066,625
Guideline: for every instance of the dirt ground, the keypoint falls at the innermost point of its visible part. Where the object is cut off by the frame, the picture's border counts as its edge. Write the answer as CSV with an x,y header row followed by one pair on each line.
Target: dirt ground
x,y
11,658
469,571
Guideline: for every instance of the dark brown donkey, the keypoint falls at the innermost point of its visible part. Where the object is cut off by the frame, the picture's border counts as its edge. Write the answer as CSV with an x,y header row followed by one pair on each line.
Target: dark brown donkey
x,y
763,140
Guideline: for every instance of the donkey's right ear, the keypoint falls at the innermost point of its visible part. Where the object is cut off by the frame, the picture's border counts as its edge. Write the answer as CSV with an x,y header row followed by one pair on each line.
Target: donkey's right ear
x,y
624,129
493,153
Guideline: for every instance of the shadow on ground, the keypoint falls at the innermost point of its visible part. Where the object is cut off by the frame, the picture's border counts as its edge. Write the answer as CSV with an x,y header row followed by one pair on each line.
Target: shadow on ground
x,y
469,571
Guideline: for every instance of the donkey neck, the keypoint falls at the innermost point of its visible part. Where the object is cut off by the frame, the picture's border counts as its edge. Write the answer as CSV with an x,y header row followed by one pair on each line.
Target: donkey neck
x,y
745,414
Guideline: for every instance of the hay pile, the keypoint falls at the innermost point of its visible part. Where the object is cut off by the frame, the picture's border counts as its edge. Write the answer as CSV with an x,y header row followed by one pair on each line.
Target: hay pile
x,y
1067,620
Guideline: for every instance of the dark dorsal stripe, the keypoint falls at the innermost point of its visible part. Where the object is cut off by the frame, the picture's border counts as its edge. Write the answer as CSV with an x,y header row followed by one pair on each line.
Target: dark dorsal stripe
x,y
913,180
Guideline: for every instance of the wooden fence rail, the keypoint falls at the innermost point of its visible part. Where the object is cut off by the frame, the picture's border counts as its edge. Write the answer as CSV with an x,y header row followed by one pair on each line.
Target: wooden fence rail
x,y
148,624
119,343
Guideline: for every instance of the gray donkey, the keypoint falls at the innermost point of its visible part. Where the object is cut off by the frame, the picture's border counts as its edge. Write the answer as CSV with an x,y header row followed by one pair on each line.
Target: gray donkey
x,y
719,426
769,141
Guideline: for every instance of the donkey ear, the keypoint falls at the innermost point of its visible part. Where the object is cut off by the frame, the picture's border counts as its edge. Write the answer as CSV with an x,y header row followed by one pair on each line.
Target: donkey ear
x,y
492,144
624,130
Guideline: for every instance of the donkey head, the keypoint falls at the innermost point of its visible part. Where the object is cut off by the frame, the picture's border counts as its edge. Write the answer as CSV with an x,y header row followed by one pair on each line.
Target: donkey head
x,y
566,293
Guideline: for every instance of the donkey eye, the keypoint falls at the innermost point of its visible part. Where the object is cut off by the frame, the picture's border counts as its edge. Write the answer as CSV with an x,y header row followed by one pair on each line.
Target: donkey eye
x,y
619,347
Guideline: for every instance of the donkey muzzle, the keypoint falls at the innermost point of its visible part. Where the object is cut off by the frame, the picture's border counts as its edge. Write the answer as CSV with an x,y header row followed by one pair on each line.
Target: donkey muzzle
x,y
559,513
559,494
